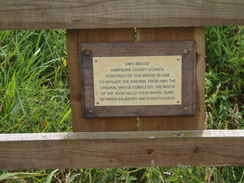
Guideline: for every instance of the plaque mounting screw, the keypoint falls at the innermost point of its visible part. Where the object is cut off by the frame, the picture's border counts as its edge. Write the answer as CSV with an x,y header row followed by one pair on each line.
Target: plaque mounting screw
x,y
87,52
185,51
186,108
90,111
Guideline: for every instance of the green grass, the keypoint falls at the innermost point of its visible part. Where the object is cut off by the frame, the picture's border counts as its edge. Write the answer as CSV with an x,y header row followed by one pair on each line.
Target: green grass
x,y
33,82
225,77
34,97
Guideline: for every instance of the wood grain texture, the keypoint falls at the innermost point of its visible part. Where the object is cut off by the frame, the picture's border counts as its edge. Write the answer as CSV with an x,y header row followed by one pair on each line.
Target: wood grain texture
x,y
121,149
98,35
183,122
77,14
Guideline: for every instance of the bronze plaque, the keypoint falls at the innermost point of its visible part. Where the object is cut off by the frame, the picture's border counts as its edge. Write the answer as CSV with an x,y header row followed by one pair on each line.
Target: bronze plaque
x,y
138,78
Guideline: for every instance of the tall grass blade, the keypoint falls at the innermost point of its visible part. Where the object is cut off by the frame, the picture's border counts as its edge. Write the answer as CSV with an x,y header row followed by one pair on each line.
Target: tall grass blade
x,y
50,176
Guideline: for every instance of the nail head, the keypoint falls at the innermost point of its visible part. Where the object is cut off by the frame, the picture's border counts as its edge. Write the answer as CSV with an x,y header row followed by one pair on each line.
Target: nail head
x,y
90,111
185,51
88,52
186,108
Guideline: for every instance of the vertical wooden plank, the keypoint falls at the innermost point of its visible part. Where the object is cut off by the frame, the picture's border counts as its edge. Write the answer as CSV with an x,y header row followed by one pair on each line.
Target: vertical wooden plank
x,y
95,35
182,122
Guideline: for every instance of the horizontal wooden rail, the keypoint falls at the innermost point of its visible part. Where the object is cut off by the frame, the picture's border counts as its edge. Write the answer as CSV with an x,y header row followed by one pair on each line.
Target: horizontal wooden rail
x,y
122,149
77,14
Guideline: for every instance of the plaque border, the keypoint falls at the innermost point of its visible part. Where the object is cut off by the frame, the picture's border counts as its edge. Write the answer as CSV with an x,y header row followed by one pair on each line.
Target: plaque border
x,y
186,49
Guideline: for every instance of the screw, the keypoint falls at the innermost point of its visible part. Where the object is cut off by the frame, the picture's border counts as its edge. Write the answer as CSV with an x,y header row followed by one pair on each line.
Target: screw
x,y
186,108
88,52
97,103
185,51
90,111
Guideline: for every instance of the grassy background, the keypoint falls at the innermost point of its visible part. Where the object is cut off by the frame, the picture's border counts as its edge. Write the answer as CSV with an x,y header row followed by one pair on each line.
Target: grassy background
x,y
34,97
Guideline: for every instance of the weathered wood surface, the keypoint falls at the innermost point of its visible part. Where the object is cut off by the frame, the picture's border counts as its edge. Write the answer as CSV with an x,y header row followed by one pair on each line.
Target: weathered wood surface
x,y
179,122
127,149
77,14
129,124
74,37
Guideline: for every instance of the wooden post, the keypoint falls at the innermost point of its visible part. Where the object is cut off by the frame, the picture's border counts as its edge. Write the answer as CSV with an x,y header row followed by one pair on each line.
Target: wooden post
x,y
195,122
